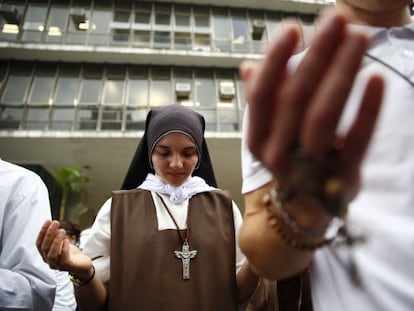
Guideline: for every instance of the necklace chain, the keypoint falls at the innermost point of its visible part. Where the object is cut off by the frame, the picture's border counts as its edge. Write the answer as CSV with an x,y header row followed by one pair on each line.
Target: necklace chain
x,y
392,68
187,232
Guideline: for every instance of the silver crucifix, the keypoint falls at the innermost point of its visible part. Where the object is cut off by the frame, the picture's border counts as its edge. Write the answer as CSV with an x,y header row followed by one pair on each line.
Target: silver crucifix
x,y
185,255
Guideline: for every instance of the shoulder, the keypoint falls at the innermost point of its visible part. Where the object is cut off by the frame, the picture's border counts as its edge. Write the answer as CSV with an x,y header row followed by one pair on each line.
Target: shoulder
x,y
19,181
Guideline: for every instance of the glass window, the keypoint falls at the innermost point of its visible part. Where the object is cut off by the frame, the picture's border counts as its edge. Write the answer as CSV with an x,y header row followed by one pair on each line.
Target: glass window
x,y
182,17
162,39
56,25
16,88
9,30
34,21
221,25
239,29
111,119
162,19
184,93
41,92
210,116
135,119
137,88
62,119
79,23
142,14
204,88
10,118
100,26
87,119
221,32
160,94
121,16
202,41
228,121
142,17
240,93
201,18
182,40
37,119
101,19
120,36
137,92
142,38
3,69
113,91
90,91
239,25
273,22
91,85
67,85
162,15
258,31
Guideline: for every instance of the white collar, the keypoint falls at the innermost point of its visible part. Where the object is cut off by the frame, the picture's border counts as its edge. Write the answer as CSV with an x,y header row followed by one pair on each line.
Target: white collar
x,y
178,194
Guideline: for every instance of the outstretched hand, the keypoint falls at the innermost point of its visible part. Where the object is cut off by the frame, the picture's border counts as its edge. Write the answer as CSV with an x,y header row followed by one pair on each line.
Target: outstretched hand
x,y
303,108
58,252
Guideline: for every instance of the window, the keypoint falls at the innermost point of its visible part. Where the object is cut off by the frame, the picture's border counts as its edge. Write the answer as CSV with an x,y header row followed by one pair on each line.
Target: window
x,y
240,40
204,88
114,85
17,85
37,119
34,22
87,119
62,119
221,30
111,119
79,24
100,25
67,85
56,25
160,94
91,85
137,87
41,92
135,119
10,118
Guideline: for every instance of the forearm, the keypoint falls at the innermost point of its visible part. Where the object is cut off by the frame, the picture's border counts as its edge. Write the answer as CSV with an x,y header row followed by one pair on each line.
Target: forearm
x,y
92,296
246,281
268,254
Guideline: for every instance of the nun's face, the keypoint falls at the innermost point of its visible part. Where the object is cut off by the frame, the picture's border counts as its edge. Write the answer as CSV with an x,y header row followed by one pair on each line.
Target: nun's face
x,y
174,158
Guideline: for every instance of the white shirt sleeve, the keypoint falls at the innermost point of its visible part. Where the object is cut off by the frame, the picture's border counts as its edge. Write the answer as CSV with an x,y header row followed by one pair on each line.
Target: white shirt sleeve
x,y
254,173
98,244
65,296
26,281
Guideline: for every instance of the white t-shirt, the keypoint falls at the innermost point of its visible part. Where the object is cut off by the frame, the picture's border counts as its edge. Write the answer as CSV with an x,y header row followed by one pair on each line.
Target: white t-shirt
x,y
99,237
384,208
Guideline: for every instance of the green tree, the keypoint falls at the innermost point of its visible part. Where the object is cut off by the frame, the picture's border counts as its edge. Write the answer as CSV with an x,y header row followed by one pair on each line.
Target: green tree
x,y
70,180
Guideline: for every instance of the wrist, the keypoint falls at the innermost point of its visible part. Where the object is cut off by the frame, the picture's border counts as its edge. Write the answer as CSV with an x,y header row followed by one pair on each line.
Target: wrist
x,y
80,280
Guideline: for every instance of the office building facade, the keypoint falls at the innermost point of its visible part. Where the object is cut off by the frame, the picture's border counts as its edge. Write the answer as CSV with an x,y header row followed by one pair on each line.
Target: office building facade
x,y
78,77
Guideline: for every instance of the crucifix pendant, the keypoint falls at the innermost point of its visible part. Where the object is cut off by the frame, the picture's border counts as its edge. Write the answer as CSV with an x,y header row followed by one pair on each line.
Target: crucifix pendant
x,y
185,255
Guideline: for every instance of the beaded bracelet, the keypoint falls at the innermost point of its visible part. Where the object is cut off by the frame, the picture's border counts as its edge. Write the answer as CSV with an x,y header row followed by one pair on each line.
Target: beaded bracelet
x,y
288,229
79,282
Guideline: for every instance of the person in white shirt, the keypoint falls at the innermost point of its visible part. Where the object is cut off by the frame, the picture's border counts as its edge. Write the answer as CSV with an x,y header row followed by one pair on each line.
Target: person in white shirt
x,y
26,282
328,143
